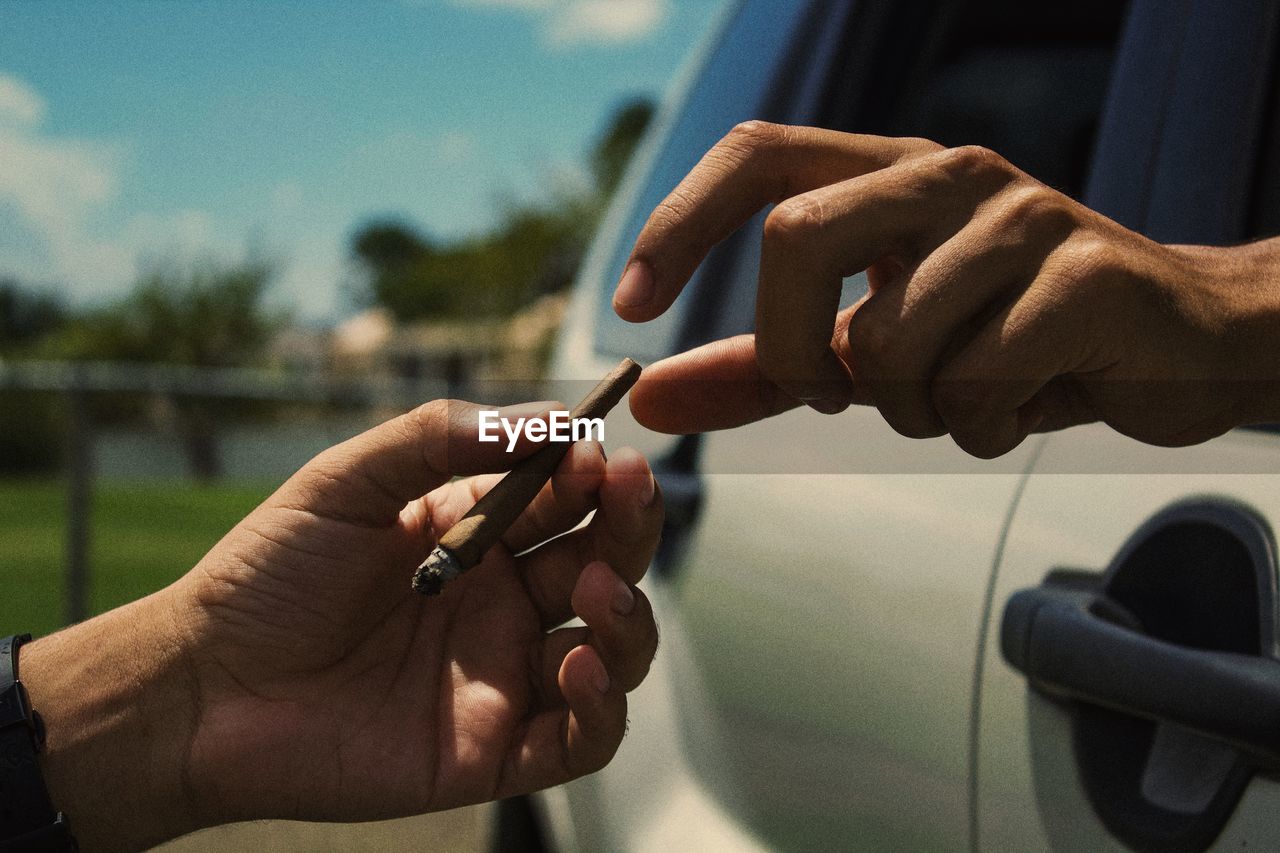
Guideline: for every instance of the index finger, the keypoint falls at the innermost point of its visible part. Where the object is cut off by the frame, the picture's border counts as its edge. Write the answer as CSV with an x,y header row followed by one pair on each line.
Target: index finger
x,y
719,385
756,164
715,386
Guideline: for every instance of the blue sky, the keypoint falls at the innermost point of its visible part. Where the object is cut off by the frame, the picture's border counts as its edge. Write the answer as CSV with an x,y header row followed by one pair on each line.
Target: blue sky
x,y
138,130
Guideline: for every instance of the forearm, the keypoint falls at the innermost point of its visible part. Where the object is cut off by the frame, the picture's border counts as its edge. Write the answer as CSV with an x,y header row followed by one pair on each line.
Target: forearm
x,y
119,708
1247,280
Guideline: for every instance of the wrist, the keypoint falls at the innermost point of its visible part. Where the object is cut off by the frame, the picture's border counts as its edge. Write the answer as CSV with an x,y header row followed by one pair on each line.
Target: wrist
x,y
1242,284
119,708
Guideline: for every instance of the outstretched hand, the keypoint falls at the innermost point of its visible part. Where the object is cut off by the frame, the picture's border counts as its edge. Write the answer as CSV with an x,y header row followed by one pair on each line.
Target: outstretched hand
x,y
321,687
997,305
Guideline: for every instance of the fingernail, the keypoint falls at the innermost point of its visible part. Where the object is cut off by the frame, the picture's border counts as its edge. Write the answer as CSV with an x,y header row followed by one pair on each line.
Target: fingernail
x,y
601,681
636,287
529,410
647,490
825,405
624,600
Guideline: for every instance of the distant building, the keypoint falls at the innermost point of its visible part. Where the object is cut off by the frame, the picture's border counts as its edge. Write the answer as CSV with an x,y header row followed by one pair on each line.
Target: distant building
x,y
460,352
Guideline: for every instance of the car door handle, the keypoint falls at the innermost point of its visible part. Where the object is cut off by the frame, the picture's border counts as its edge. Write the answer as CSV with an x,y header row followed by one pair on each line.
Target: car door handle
x,y
1081,645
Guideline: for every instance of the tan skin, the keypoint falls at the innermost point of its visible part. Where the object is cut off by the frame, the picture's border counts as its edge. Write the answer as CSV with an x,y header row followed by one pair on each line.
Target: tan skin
x,y
294,674
997,307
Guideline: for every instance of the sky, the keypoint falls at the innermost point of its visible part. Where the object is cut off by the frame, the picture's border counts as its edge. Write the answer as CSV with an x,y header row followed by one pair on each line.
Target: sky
x,y
135,132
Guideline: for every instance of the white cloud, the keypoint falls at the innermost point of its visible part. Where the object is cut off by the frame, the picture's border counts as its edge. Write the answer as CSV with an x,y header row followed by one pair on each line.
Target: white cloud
x,y
530,5
55,186
606,21
19,103
286,199
567,23
184,235
455,148
60,194
313,270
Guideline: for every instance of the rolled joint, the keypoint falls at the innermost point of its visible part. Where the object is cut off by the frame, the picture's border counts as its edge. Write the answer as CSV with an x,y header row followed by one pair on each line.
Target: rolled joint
x,y
440,567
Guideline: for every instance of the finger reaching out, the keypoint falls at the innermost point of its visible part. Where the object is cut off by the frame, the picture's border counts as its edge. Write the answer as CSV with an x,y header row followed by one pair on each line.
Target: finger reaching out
x,y
756,164
964,254
715,386
841,206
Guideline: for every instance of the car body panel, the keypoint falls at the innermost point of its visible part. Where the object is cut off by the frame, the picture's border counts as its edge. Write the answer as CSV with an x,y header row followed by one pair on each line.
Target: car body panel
x,y
828,618
834,620
809,684
1091,488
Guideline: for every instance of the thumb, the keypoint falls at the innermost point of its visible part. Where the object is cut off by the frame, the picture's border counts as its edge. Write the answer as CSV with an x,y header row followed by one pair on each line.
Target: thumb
x,y
368,479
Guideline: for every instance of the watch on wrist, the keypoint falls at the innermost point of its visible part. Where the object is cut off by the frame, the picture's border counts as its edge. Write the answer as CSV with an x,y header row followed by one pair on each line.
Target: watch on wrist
x,y
28,820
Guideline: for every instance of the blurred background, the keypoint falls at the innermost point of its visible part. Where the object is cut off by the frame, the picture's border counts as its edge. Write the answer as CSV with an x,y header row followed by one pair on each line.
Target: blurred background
x,y
234,233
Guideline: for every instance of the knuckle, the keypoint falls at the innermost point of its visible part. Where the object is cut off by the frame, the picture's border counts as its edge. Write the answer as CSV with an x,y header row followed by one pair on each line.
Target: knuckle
x,y
431,426
329,466
749,147
595,756
1075,274
636,662
1093,259
972,162
643,667
797,221
1032,208
1022,206
433,418
753,135
632,646
872,339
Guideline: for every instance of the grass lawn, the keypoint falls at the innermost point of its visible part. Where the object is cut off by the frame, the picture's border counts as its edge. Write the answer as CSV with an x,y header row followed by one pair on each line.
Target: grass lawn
x,y
143,535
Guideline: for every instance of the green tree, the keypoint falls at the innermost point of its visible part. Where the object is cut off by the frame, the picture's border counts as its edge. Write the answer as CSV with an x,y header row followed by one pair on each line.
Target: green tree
x,y
613,151
202,315
205,315
535,249
31,422
27,316
402,271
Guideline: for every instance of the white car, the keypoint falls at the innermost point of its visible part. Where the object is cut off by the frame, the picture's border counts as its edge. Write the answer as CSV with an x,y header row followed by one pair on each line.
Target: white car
x,y
841,665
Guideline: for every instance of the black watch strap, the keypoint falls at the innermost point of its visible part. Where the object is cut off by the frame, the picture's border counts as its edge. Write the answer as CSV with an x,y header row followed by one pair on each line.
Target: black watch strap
x,y
28,820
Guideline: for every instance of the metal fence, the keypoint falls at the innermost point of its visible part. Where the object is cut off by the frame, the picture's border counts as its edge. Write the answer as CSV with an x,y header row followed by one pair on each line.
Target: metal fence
x,y
80,383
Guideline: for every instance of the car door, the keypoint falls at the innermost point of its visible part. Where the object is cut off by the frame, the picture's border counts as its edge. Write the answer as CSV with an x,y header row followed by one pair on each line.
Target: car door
x,y
833,598
1130,662
823,581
